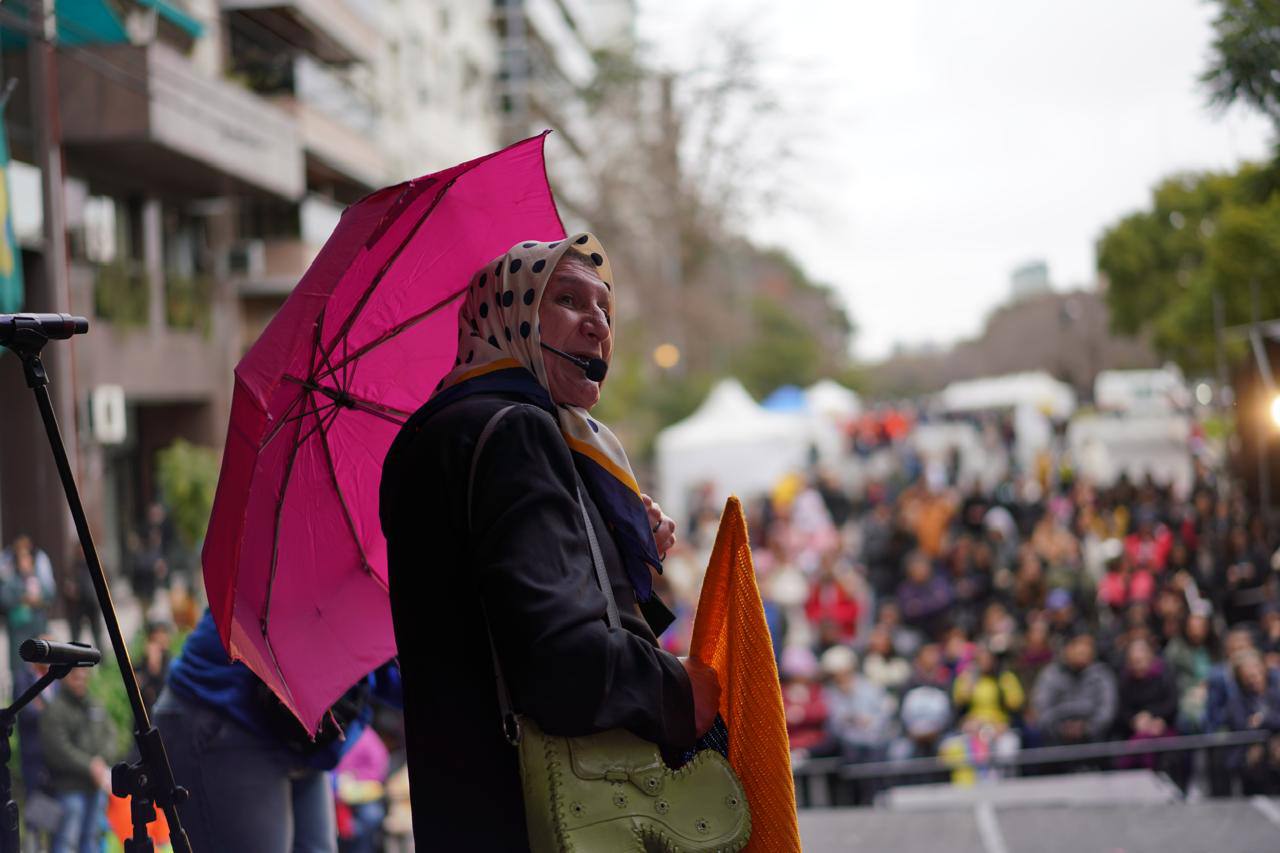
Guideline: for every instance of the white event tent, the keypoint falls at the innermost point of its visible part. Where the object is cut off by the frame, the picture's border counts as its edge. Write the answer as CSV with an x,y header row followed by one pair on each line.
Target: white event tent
x,y
734,444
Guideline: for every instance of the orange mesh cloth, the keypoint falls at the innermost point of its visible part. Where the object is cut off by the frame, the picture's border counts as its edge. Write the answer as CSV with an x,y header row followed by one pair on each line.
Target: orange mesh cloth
x,y
730,636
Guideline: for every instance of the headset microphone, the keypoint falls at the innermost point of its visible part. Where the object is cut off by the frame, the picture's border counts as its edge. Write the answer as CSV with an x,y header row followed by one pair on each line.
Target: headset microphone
x,y
594,368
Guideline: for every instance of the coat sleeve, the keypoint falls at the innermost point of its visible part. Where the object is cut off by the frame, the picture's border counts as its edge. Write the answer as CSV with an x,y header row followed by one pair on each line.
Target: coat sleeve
x,y
61,755
566,668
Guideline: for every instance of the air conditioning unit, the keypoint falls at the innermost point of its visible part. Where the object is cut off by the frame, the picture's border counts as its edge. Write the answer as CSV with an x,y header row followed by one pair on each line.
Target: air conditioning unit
x,y
107,416
247,259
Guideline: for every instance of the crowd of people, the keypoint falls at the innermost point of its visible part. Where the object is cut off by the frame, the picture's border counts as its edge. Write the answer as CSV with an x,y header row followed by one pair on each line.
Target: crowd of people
x,y
922,617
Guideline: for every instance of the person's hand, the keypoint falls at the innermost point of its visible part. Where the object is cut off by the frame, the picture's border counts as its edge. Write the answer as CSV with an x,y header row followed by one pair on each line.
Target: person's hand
x,y
1255,721
663,527
101,773
706,693
1141,722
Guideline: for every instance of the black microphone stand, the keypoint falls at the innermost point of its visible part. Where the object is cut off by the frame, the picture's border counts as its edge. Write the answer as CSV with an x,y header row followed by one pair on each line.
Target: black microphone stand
x,y
10,838
148,782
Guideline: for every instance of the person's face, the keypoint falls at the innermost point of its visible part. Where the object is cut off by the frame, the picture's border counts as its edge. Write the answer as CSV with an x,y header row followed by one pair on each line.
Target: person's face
x,y
77,681
918,569
881,643
1139,658
1253,676
985,660
574,317
1197,629
1079,652
1237,641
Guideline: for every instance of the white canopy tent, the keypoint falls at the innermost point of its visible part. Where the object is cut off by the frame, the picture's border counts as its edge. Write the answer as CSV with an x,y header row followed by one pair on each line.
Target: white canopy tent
x,y
830,399
1034,398
732,443
1034,389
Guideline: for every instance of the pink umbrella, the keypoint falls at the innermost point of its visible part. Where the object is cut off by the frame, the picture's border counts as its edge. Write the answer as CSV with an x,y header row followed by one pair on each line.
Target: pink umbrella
x,y
294,561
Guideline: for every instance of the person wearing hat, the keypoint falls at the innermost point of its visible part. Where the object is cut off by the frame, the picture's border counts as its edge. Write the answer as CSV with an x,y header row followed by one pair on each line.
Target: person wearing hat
x,y
860,711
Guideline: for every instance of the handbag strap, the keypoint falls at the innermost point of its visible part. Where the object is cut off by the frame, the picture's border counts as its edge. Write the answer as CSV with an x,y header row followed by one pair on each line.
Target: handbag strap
x,y
510,722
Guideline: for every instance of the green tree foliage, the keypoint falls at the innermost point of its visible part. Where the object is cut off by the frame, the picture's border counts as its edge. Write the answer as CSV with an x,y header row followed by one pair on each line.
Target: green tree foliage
x,y
1246,55
1204,234
784,351
188,477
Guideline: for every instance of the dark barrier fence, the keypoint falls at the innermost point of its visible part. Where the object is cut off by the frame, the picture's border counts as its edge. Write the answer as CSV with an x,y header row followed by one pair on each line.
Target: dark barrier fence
x,y
817,778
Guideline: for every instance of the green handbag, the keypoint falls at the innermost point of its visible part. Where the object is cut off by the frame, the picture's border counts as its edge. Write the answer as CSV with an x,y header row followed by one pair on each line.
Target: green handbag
x,y
611,792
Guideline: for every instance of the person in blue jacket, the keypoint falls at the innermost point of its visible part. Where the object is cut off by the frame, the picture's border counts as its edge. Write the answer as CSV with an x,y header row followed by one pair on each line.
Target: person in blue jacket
x,y
258,783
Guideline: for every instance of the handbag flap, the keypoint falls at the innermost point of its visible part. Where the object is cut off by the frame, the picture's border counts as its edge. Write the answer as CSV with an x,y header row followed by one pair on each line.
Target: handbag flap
x,y
618,756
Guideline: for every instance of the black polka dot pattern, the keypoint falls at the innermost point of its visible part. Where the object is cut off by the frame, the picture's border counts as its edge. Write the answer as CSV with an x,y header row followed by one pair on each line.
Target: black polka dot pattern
x,y
514,266
597,259
507,331
528,296
507,298
470,356
527,245
524,329
538,265
484,310
582,239
484,276
493,342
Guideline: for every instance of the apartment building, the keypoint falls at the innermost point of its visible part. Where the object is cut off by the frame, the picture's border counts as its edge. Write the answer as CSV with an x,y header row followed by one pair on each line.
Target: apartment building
x,y
209,148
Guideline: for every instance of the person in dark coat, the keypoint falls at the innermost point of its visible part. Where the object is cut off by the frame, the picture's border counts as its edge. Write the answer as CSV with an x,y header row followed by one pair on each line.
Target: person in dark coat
x,y
1147,705
496,545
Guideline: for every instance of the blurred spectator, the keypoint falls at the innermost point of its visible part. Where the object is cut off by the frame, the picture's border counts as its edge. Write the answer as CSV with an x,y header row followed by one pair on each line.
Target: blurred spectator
x,y
987,693
1147,705
859,710
26,594
1256,706
883,666
929,670
1074,700
361,773
79,744
1190,656
924,596
80,602
834,599
804,704
153,668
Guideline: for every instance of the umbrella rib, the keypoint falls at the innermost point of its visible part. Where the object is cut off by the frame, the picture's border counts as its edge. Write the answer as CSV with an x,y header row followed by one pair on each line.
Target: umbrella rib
x,y
265,618
346,511
386,266
342,400
285,419
389,334
332,415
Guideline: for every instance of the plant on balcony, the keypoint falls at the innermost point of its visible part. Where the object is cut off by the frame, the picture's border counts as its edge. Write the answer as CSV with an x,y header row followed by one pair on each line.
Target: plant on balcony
x,y
188,302
121,294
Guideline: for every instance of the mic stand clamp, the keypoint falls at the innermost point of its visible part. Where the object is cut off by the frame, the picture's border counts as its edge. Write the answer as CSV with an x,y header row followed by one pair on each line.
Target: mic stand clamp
x,y
10,840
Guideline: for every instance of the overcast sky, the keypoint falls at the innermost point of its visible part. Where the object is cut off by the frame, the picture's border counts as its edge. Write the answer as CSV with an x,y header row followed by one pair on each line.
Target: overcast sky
x,y
958,140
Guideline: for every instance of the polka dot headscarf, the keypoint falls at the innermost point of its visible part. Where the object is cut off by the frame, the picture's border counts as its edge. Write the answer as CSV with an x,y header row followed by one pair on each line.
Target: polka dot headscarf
x,y
498,330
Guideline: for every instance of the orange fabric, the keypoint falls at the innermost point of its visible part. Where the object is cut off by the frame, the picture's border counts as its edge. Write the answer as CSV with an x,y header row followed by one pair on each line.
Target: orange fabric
x,y
120,820
730,636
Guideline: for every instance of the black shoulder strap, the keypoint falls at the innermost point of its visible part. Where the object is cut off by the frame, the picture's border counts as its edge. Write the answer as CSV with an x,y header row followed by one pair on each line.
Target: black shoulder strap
x,y
510,722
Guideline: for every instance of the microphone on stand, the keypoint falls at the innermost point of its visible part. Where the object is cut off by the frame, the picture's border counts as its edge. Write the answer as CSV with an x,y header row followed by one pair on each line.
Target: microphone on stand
x,y
47,327
70,654
594,368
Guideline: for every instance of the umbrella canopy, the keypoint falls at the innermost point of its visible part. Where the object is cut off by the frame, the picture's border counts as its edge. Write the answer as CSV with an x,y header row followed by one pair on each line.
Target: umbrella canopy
x,y
295,561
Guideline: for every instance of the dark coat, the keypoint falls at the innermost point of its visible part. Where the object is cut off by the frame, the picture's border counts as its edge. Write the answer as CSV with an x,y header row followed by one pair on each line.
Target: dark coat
x,y
1156,693
526,554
